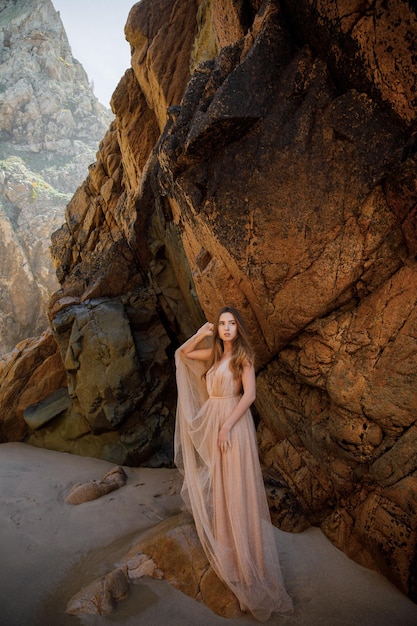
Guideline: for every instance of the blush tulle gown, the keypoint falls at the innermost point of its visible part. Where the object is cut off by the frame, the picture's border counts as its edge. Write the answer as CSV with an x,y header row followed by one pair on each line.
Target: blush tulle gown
x,y
225,492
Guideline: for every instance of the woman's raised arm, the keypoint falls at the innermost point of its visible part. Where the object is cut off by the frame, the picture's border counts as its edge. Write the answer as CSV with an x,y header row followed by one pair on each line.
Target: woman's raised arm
x,y
190,347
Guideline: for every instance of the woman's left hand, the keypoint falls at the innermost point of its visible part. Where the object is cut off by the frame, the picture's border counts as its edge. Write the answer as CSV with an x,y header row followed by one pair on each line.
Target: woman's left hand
x,y
224,439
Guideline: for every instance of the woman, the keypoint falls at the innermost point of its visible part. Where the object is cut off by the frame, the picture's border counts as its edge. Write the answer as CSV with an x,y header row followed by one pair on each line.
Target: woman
x,y
216,450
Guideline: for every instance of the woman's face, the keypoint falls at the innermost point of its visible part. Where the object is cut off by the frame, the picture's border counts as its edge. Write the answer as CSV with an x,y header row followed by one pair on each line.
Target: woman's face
x,y
227,327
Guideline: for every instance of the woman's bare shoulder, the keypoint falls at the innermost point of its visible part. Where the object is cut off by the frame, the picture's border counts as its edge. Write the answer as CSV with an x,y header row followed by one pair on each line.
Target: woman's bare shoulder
x,y
248,364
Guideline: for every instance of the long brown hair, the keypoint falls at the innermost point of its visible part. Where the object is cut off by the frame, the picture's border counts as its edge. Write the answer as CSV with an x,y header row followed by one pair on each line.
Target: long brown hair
x,y
242,351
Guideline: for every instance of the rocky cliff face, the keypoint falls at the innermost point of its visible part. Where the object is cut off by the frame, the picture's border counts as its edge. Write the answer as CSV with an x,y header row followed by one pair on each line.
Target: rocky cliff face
x,y
50,127
263,155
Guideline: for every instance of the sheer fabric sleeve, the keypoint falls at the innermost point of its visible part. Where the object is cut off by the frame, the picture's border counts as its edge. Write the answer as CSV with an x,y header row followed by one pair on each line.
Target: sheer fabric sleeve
x,y
192,394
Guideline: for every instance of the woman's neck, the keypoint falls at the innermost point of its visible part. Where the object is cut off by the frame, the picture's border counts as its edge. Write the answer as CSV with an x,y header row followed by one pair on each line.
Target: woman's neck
x,y
227,348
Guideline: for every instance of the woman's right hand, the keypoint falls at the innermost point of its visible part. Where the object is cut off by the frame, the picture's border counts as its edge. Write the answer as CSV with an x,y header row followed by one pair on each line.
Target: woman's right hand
x,y
205,331
190,347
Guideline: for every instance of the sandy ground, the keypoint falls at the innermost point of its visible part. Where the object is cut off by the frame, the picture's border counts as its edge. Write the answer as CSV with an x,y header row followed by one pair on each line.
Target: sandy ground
x,y
49,550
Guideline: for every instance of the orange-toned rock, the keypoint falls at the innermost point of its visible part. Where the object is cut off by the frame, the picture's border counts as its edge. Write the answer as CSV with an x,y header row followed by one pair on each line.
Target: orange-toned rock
x,y
175,548
27,375
114,479
137,131
372,50
171,551
101,596
161,35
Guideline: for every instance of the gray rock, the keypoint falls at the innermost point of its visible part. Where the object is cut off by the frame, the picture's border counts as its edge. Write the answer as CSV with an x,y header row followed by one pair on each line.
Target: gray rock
x,y
50,128
40,414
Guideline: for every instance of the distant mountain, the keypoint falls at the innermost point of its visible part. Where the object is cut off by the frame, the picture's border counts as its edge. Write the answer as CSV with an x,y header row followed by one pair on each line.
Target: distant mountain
x,y
50,128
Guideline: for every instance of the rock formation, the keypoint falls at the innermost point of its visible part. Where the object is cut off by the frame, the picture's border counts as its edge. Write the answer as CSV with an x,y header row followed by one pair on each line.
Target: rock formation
x,y
263,155
102,595
170,551
50,127
93,489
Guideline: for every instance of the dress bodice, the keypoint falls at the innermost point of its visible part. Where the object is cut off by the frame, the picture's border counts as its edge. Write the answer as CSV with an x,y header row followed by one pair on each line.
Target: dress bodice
x,y
220,381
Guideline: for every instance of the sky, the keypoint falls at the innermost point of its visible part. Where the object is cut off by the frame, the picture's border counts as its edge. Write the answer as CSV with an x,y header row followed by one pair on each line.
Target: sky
x,y
95,31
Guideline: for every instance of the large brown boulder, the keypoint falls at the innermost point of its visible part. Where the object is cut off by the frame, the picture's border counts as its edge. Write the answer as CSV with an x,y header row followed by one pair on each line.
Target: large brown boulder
x,y
371,50
175,549
171,551
28,375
